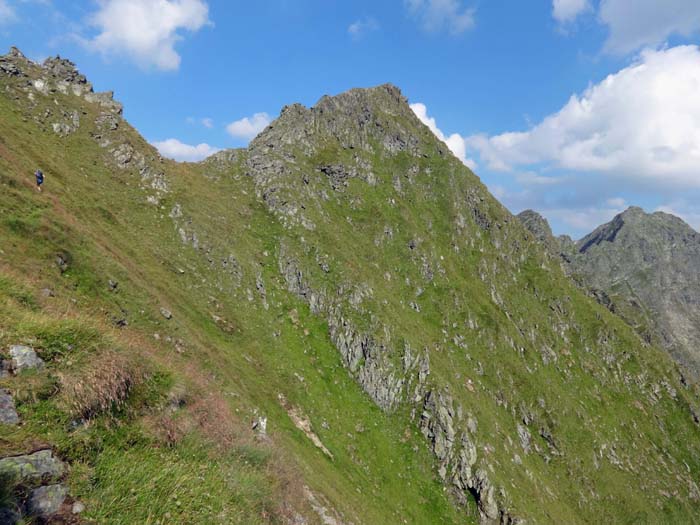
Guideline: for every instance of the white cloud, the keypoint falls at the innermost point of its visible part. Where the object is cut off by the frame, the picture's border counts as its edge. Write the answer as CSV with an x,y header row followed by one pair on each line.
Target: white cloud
x,y
206,122
639,23
454,142
7,13
146,31
248,128
439,15
176,150
565,11
642,123
581,221
617,202
361,27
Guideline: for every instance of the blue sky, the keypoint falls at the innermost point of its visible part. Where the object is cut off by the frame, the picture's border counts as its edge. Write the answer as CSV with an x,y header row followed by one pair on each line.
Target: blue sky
x,y
576,108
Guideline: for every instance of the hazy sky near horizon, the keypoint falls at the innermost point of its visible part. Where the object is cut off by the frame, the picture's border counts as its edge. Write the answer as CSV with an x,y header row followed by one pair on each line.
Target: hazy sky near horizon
x,y
575,108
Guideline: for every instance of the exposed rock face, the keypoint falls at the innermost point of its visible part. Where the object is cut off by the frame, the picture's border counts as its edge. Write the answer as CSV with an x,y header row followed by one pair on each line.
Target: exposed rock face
x,y
561,246
352,121
537,224
37,491
643,266
653,260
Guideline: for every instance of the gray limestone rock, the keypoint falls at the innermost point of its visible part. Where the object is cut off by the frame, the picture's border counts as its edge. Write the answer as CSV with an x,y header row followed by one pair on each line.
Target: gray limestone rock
x,y
524,437
8,413
24,358
47,500
33,468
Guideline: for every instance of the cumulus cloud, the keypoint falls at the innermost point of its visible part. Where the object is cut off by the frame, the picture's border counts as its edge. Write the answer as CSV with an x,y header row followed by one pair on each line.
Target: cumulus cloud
x,y
454,142
566,11
361,27
641,123
442,15
176,150
581,221
634,25
249,127
7,13
208,123
146,31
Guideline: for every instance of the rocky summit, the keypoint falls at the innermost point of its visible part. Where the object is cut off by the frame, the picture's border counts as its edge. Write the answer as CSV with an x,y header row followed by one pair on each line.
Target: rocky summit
x,y
337,324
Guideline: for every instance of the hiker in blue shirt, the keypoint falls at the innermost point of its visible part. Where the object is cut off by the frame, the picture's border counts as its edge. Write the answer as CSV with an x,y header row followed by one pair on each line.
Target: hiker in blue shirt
x,y
39,179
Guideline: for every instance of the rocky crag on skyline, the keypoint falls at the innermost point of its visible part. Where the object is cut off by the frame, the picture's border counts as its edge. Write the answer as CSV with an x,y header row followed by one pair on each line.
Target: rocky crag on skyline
x,y
337,324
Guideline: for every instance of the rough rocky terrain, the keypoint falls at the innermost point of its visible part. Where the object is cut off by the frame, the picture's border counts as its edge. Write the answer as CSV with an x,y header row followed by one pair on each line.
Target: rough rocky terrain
x,y
337,324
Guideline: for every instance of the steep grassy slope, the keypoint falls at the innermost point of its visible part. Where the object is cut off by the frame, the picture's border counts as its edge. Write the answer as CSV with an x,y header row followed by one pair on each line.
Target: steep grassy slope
x,y
344,277
215,367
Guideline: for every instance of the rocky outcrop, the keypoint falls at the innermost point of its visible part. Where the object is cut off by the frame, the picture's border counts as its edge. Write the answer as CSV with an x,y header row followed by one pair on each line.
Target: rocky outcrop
x,y
557,247
47,500
388,386
356,121
33,468
58,76
33,482
362,354
24,358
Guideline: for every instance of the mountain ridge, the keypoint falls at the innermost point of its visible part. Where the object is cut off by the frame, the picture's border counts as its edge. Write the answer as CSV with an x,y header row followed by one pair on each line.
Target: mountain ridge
x,y
344,280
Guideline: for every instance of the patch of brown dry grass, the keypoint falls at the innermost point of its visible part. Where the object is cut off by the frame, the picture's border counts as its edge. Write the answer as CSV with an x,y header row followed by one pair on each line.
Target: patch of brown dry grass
x,y
103,384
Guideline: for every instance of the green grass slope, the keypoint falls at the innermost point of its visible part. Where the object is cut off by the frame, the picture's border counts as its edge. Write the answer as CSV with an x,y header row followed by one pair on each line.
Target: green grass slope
x,y
344,277
178,447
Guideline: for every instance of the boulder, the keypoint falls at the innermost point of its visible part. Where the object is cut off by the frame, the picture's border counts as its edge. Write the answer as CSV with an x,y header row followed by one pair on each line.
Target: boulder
x,y
46,500
33,468
24,358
